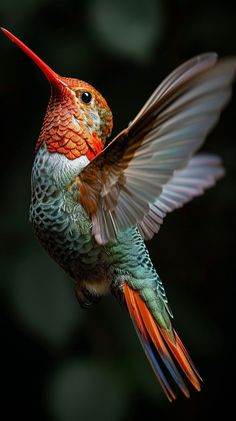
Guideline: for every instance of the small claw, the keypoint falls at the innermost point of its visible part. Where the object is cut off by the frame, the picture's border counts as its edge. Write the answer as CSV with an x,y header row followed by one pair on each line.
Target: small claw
x,y
117,291
85,297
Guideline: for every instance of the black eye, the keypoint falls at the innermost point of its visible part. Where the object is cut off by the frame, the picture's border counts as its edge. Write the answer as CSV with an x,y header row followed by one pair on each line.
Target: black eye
x,y
86,97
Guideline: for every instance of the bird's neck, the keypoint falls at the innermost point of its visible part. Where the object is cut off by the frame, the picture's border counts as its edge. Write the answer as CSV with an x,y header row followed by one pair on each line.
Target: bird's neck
x,y
55,168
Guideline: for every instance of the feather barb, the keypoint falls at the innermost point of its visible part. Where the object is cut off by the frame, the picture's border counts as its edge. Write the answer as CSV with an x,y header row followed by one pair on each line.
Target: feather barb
x,y
167,344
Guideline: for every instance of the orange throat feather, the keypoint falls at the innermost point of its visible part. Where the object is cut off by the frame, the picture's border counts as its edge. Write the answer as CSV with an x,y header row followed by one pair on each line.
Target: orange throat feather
x,y
67,129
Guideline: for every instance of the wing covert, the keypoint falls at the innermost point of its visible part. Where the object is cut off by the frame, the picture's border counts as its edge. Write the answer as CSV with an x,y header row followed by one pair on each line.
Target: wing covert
x,y
120,187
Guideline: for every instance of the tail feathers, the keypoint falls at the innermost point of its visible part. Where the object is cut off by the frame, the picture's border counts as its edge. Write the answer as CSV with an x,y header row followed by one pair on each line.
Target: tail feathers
x,y
151,334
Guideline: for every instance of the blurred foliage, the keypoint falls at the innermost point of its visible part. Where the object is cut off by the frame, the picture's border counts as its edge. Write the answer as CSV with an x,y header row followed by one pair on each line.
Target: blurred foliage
x,y
84,390
42,299
59,362
128,28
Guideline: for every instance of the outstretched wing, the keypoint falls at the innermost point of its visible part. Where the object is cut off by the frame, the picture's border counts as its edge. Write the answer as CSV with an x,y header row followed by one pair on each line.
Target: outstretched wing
x,y
201,172
120,186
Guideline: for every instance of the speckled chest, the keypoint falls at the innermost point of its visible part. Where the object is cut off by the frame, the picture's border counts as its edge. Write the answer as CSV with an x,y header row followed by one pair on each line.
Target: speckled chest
x,y
59,221
64,229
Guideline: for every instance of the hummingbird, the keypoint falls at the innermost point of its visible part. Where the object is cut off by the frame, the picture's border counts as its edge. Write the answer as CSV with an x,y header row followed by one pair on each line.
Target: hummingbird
x,y
96,201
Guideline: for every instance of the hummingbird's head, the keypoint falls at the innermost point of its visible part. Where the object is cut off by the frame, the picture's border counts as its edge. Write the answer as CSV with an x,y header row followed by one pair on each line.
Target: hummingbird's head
x,y
78,119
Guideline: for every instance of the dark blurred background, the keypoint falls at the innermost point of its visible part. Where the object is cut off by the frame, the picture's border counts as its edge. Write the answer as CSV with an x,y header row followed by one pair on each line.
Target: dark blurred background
x,y
59,362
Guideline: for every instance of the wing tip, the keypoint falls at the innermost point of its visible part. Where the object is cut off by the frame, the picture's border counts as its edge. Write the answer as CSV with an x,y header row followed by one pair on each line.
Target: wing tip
x,y
210,56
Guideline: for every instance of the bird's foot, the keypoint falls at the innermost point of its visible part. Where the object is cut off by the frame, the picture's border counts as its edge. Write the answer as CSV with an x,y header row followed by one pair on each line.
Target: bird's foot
x,y
85,297
117,291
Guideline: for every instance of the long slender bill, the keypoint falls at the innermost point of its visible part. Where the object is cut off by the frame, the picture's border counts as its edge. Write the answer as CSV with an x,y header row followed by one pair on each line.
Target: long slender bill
x,y
53,77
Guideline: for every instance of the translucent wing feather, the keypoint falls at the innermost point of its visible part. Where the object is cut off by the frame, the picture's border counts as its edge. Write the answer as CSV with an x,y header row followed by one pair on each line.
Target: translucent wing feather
x,y
201,172
121,186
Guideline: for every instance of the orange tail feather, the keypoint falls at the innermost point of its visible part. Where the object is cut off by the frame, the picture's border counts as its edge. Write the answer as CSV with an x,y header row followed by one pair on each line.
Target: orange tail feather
x,y
150,333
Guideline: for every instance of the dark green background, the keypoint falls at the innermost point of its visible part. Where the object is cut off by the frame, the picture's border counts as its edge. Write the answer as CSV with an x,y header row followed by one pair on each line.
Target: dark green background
x,y
59,362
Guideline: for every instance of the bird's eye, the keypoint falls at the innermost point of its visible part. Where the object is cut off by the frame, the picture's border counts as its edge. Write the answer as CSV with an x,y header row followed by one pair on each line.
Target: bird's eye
x,y
86,97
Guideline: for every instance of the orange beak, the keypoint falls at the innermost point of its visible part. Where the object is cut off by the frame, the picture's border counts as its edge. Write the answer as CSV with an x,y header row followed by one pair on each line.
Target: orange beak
x,y
53,77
